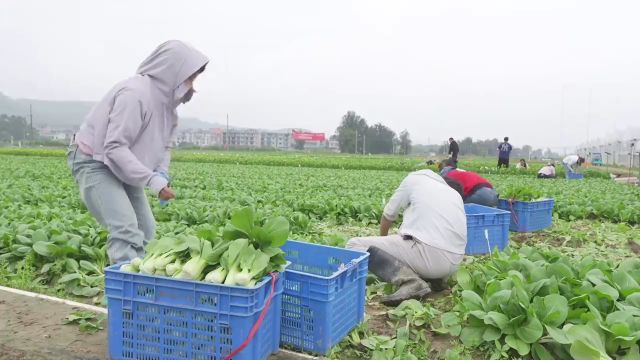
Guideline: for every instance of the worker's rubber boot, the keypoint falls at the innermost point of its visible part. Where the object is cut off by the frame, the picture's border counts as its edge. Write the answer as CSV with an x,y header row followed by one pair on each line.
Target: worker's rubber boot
x,y
394,271
438,285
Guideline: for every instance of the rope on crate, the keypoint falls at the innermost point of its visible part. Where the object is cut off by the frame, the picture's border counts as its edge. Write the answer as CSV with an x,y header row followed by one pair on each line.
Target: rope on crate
x,y
256,326
513,212
486,236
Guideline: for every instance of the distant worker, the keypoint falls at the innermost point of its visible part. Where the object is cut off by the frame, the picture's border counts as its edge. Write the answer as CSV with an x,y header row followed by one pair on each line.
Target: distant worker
x,y
504,151
571,164
454,149
522,164
124,146
547,172
431,241
475,188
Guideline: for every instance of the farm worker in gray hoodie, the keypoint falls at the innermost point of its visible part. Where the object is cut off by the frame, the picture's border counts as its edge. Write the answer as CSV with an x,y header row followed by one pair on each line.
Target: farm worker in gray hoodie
x,y
124,146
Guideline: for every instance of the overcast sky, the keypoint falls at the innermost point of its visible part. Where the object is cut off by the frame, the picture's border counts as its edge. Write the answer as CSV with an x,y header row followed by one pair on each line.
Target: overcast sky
x,y
474,68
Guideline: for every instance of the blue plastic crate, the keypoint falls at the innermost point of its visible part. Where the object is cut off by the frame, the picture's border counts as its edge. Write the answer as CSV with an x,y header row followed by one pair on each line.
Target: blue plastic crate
x,y
161,318
494,221
527,216
575,176
324,295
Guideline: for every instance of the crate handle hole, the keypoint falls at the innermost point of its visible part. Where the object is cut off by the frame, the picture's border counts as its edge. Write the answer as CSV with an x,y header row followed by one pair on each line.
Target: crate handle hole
x,y
145,291
210,300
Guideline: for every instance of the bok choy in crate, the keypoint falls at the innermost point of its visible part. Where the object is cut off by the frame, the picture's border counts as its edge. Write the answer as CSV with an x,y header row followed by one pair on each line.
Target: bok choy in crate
x,y
245,251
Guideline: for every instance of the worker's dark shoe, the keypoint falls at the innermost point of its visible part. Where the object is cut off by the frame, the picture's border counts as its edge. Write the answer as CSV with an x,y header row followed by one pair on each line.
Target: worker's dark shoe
x,y
394,271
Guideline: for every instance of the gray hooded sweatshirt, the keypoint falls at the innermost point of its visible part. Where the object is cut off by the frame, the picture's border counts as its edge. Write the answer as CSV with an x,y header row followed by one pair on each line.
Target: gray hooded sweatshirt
x,y
132,129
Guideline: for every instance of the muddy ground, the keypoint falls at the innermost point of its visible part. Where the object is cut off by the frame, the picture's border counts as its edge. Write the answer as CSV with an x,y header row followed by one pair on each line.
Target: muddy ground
x,y
33,329
379,324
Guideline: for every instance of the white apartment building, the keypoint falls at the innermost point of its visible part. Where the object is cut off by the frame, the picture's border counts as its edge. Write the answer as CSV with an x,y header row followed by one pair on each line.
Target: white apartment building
x,y
276,140
210,137
247,138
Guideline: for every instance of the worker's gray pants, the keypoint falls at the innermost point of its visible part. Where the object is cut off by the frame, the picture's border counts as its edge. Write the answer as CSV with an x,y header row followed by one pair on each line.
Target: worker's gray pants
x,y
427,261
123,209
483,196
568,170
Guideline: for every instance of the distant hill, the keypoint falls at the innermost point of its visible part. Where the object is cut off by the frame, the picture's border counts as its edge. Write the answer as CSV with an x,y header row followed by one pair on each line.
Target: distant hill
x,y
69,114
58,114
195,123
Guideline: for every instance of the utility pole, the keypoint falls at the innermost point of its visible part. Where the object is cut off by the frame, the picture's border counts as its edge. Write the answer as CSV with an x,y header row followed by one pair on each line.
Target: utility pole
x,y
31,119
611,153
364,142
226,135
631,153
638,164
355,151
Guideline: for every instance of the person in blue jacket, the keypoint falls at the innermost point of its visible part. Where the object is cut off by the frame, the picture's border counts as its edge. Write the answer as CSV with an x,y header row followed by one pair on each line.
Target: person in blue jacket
x,y
504,151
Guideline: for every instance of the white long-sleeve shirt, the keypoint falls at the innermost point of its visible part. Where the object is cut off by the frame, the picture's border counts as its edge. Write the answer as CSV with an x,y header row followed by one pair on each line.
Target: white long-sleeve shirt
x,y
570,160
434,212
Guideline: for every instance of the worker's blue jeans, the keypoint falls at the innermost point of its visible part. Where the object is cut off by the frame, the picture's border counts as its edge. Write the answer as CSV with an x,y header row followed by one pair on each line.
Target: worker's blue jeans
x,y
567,170
122,209
483,196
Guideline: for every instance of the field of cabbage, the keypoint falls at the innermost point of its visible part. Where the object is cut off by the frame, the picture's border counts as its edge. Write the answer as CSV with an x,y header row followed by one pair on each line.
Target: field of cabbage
x,y
572,291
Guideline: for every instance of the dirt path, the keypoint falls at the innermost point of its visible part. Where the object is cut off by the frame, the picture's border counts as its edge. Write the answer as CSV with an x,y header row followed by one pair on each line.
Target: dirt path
x,y
33,329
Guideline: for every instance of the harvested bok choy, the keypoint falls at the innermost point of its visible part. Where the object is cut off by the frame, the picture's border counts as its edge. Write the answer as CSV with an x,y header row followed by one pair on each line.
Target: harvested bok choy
x,y
240,254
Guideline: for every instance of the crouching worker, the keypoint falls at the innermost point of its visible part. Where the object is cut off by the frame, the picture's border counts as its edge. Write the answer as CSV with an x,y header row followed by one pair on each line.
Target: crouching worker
x,y
431,240
475,188
571,164
547,172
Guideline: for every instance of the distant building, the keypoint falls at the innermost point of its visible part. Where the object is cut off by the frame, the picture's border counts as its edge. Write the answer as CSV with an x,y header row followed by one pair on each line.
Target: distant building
x,y
242,138
276,140
315,145
331,145
248,138
210,137
52,134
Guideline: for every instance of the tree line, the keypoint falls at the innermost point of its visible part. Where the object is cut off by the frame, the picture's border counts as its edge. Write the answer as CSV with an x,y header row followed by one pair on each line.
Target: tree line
x,y
355,136
15,128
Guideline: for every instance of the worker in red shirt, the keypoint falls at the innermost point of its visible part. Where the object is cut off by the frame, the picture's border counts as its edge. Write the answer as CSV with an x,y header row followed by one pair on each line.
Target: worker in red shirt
x,y
476,189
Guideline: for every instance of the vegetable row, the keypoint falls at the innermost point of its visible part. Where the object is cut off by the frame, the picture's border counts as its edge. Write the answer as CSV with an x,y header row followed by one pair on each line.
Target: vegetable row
x,y
548,305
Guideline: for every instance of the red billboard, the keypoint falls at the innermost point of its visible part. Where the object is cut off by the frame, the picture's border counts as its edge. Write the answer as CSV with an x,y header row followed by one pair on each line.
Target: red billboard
x,y
307,136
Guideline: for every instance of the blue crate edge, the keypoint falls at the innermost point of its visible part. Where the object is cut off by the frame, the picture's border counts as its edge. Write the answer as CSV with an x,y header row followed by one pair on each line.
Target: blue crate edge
x,y
351,264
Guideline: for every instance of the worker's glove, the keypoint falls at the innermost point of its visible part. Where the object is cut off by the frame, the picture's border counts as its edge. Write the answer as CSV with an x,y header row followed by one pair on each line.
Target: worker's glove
x,y
166,176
